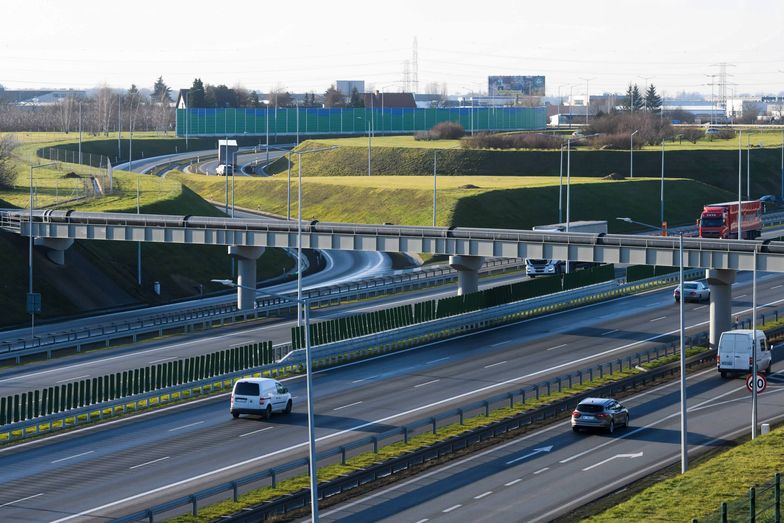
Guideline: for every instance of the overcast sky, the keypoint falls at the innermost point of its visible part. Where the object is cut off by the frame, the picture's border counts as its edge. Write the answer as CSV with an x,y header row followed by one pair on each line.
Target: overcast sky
x,y
299,46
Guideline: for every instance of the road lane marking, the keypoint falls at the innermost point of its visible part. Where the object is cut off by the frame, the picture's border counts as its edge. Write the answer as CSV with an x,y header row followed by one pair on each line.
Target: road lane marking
x,y
450,509
163,359
72,457
494,364
632,456
254,432
541,470
483,495
518,480
610,332
423,520
777,286
148,463
657,319
534,453
347,406
700,307
21,499
439,359
557,346
72,379
365,379
500,343
427,383
741,295
186,426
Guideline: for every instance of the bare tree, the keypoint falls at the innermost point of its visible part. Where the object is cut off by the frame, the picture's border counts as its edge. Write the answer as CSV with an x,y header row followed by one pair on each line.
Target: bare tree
x,y
67,107
104,105
7,168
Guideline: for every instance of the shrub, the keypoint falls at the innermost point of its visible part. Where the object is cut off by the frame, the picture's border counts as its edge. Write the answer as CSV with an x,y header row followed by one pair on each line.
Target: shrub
x,y
7,169
512,141
692,134
611,141
650,127
448,131
726,134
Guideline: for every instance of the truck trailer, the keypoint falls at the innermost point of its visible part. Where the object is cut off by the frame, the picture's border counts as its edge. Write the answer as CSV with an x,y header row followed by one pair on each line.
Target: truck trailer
x,y
535,267
720,220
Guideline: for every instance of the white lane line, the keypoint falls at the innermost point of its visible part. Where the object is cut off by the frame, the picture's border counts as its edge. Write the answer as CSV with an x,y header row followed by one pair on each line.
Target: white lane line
x,y
483,495
439,359
148,463
21,499
72,457
557,346
518,480
777,286
72,379
349,405
657,319
700,307
494,364
541,470
254,432
186,426
450,509
365,379
423,520
741,295
427,383
163,359
610,332
499,343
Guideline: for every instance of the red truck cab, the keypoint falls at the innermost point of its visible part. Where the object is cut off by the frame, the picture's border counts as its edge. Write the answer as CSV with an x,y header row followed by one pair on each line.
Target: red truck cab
x,y
720,220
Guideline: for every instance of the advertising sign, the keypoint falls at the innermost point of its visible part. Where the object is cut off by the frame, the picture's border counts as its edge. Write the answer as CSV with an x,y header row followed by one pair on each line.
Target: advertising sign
x,y
515,85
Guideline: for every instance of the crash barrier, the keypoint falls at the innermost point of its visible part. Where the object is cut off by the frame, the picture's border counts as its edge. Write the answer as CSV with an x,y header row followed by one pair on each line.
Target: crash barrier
x,y
406,315
288,361
204,317
272,477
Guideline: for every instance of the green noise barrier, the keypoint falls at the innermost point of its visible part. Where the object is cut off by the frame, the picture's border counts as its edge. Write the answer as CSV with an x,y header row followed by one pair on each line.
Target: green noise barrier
x,y
340,329
93,391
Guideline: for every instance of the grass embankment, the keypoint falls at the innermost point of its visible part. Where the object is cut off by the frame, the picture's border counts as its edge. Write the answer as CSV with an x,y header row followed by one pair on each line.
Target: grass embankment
x,y
182,270
497,201
713,163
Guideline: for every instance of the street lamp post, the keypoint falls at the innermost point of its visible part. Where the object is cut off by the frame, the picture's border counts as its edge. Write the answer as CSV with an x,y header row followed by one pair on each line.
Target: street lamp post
x,y
682,329
754,349
33,302
631,154
661,195
435,168
560,189
302,303
740,185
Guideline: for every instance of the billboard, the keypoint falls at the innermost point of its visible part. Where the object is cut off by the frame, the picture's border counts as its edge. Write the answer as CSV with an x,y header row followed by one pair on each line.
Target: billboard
x,y
515,85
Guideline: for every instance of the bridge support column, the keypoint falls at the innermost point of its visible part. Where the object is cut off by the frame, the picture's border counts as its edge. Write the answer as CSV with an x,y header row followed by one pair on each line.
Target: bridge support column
x,y
720,281
55,248
467,268
246,274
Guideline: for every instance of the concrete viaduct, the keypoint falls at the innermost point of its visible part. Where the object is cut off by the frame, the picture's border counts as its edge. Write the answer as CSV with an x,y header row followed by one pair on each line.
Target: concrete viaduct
x,y
466,247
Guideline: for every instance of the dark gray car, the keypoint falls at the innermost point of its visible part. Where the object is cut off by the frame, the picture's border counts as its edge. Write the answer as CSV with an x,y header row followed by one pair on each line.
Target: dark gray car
x,y
599,413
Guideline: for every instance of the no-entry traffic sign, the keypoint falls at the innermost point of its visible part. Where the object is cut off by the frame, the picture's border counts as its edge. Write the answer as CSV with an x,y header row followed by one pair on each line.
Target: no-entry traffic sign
x,y
762,383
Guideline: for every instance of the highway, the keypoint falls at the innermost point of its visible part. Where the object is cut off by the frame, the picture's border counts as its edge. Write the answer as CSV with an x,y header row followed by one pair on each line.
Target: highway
x,y
549,472
129,464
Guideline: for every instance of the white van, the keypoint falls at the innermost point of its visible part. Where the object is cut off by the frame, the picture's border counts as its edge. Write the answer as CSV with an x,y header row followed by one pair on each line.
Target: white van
x,y
734,354
261,396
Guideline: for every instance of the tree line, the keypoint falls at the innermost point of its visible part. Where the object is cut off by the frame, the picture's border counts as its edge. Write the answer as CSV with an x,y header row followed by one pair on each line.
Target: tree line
x,y
201,95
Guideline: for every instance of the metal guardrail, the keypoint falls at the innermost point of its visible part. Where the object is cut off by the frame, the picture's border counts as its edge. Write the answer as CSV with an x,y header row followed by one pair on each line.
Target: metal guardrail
x,y
518,398
324,355
207,316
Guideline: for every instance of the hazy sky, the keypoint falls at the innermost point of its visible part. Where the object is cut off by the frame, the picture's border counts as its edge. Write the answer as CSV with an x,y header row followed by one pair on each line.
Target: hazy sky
x,y
300,46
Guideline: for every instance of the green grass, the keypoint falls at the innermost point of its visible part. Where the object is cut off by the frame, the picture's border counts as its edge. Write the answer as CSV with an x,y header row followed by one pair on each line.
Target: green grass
x,y
499,201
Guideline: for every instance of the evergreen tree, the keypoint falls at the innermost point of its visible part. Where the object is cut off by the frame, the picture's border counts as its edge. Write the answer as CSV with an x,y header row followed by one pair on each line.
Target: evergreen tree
x,y
653,101
637,99
196,94
160,91
356,100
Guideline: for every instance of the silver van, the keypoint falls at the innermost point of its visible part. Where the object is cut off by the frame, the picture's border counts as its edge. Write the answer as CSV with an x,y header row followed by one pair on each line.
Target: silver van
x,y
259,396
734,355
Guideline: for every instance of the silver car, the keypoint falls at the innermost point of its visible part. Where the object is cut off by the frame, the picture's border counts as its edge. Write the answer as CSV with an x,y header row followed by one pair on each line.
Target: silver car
x,y
693,290
599,413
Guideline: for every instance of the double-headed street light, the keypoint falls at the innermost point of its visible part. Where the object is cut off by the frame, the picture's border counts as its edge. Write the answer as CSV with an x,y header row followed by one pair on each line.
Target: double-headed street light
x,y
684,430
302,304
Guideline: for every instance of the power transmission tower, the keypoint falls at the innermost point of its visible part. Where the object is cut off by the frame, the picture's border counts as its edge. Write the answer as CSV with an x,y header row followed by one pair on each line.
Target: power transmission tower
x,y
415,67
407,76
721,101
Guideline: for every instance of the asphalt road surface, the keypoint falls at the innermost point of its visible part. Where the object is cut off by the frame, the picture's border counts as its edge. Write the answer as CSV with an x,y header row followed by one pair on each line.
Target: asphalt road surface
x,y
130,464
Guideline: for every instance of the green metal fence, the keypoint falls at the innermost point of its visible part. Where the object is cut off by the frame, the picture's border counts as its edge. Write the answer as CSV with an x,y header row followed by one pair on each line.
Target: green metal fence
x,y
350,121
387,319
761,505
92,391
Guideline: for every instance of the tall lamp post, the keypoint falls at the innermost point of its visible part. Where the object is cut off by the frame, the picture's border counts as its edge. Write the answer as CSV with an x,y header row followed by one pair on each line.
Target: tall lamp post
x,y
684,429
631,154
661,195
33,300
304,305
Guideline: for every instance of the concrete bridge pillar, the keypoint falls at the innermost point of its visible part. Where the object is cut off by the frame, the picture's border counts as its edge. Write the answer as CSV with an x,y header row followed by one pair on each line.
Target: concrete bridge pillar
x,y
467,268
55,248
246,274
720,281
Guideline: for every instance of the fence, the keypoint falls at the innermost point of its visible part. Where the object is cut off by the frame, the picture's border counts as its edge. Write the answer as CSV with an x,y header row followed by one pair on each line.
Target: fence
x,y
388,120
100,175
763,504
341,454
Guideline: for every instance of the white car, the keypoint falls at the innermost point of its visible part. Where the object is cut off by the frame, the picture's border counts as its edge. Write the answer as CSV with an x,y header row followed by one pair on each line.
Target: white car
x,y
259,396
693,290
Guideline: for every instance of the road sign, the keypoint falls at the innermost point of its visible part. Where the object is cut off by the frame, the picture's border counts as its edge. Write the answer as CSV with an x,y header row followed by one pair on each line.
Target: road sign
x,y
33,302
762,383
